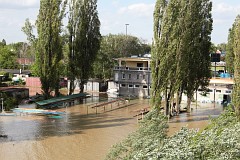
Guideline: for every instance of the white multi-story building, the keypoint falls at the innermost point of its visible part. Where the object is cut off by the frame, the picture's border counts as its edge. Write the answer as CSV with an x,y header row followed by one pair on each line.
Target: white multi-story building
x,y
133,76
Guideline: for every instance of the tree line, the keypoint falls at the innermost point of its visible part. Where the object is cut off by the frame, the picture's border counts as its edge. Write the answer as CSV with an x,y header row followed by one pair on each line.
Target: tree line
x,y
77,51
181,48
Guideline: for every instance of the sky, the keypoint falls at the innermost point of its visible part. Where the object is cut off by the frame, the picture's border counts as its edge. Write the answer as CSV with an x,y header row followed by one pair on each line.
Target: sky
x,y
114,15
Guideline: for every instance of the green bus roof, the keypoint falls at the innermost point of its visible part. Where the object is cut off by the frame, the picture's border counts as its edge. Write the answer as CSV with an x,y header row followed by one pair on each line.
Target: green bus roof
x,y
61,99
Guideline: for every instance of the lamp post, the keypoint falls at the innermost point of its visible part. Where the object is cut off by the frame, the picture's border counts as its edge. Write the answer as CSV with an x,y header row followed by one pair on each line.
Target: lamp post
x,y
126,28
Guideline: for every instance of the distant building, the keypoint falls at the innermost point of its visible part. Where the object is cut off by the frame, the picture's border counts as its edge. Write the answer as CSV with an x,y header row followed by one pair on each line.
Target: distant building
x,y
25,62
19,93
219,90
17,73
93,85
133,76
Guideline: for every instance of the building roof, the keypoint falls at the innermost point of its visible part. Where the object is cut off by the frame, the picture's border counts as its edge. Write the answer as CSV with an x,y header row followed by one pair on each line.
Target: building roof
x,y
25,61
61,99
16,71
13,89
221,81
134,59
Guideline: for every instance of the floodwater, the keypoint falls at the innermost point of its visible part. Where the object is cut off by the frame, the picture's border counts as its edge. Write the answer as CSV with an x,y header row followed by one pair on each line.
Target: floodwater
x,y
197,119
78,135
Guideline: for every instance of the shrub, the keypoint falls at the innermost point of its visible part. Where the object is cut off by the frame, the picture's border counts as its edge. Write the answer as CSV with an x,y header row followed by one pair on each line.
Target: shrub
x,y
219,141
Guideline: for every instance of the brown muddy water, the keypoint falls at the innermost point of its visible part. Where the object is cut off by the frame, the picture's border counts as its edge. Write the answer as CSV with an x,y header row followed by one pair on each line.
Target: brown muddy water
x,y
78,136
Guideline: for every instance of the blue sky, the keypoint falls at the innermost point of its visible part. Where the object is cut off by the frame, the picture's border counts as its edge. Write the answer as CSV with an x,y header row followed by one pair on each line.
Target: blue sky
x,y
114,14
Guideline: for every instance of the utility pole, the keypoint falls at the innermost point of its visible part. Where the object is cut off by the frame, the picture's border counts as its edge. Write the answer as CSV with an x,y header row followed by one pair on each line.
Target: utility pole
x,y
126,28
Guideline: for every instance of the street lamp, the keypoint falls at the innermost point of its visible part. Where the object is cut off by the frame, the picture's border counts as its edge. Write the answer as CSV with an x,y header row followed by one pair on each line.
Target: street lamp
x,y
126,28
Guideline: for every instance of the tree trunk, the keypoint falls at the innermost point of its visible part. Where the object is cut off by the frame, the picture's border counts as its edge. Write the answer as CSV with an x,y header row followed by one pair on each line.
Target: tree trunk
x,y
71,87
166,103
178,103
81,86
189,104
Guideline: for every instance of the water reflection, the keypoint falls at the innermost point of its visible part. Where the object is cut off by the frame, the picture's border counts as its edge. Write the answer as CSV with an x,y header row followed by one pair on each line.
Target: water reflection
x,y
75,136
78,136
197,119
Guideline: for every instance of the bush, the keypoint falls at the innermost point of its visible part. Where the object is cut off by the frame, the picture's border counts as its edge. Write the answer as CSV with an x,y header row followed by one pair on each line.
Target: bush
x,y
219,141
152,129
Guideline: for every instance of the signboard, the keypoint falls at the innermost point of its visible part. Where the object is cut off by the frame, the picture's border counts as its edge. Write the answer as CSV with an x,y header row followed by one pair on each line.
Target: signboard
x,y
215,57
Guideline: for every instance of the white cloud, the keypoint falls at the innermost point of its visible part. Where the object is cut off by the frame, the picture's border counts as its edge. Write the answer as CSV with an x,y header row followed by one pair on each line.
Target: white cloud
x,y
19,4
221,8
140,9
223,12
224,15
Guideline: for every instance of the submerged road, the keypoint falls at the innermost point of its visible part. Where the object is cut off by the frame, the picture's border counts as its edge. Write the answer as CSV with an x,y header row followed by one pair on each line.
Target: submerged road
x,y
78,136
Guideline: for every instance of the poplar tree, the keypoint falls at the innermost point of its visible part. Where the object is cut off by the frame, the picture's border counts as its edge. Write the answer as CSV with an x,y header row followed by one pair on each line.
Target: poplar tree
x,y
198,43
73,21
167,54
84,40
230,48
157,89
236,49
49,45
181,49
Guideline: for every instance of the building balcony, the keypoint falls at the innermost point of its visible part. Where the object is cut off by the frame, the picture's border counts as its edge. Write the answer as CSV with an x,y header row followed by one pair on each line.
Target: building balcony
x,y
132,68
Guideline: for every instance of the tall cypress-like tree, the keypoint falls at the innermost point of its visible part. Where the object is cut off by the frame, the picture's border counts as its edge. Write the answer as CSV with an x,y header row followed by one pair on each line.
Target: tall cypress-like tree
x,y
198,43
159,14
230,48
181,48
236,49
49,46
73,21
167,54
84,40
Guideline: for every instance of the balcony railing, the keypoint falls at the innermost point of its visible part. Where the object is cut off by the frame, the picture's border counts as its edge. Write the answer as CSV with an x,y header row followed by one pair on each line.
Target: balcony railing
x,y
133,68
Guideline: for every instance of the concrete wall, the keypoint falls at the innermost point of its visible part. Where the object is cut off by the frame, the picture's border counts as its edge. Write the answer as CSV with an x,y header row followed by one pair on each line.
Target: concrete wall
x,y
89,87
33,82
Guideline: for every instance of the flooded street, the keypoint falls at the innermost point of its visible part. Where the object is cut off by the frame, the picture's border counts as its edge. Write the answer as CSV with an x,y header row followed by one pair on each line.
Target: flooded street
x,y
78,136
197,119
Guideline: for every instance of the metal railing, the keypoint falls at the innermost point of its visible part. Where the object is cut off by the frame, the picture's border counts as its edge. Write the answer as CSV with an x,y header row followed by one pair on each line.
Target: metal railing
x,y
133,68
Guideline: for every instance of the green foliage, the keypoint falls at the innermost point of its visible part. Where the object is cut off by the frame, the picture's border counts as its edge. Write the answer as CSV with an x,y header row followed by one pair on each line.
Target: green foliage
x,y
28,30
7,58
181,47
3,43
49,45
219,141
157,53
8,102
139,144
84,40
229,51
236,50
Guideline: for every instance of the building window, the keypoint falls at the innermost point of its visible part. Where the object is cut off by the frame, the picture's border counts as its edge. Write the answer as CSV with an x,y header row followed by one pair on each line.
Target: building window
x,y
130,86
136,86
228,91
144,76
123,85
210,90
139,64
129,76
219,91
137,76
123,76
145,87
